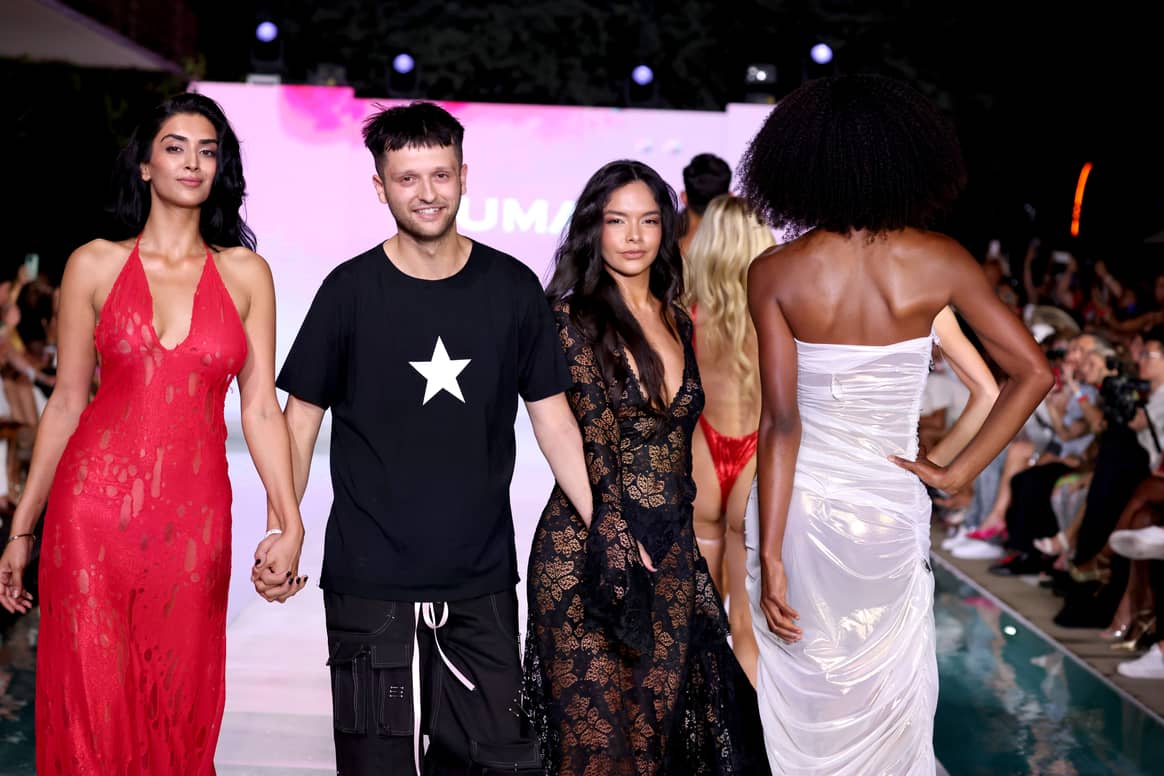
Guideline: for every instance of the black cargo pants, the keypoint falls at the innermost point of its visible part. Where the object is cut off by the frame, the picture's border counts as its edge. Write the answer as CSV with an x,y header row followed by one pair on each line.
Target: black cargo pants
x,y
458,661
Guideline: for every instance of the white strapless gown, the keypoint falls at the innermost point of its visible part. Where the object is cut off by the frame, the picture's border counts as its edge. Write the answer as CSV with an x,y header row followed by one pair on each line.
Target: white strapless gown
x,y
857,694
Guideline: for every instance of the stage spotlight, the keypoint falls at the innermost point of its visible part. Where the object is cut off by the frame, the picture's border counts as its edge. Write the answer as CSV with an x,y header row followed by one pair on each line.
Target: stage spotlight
x,y
267,31
404,77
403,63
266,51
760,75
760,80
640,87
821,53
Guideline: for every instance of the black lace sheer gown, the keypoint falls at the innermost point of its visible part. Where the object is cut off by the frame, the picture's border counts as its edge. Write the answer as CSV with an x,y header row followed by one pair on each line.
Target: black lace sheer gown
x,y
628,671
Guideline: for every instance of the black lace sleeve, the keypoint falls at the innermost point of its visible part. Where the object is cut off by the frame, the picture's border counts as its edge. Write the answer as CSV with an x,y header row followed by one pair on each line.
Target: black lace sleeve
x,y
615,587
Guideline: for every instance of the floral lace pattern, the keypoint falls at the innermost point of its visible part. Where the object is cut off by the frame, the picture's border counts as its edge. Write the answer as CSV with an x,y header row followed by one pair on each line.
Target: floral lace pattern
x,y
628,671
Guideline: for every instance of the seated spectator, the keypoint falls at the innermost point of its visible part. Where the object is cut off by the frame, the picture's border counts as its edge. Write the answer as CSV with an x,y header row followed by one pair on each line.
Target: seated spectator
x,y
1129,451
1067,430
966,539
1138,537
1145,546
1075,418
26,372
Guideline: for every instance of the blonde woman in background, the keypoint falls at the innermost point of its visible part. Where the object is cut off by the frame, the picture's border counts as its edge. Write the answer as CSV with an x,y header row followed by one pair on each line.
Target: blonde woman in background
x,y
715,271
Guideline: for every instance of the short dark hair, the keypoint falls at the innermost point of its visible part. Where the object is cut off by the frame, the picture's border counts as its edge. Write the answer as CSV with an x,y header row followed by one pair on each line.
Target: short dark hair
x,y
221,221
853,152
704,178
1154,334
419,125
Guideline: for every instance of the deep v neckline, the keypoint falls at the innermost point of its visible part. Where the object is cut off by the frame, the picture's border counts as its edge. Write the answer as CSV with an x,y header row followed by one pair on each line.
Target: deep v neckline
x,y
193,305
634,375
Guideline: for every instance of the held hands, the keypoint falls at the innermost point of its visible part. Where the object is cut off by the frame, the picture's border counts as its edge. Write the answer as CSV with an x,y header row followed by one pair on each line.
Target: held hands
x,y
276,570
13,596
774,602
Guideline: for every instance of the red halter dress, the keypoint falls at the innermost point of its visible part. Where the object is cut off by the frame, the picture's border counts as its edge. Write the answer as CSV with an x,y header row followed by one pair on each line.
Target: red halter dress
x,y
135,564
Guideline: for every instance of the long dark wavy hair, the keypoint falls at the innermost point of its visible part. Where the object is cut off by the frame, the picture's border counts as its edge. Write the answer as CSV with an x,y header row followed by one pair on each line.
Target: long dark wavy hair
x,y
222,223
596,306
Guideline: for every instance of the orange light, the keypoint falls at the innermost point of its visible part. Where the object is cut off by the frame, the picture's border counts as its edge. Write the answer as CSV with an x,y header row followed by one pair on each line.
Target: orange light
x,y
1079,187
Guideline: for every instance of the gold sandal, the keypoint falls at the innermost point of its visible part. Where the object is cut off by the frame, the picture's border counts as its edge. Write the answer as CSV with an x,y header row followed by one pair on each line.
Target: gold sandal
x,y
1101,572
1120,632
1141,628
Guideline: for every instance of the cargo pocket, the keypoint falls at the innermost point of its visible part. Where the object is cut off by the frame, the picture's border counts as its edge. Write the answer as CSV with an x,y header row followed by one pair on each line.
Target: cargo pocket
x,y
350,677
391,666
518,758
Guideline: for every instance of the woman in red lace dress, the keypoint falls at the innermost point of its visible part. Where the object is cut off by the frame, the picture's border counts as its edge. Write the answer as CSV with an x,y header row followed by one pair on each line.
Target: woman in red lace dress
x,y
135,561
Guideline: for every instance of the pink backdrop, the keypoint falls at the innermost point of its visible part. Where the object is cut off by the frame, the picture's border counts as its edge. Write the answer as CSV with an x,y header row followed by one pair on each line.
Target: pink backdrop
x,y
310,197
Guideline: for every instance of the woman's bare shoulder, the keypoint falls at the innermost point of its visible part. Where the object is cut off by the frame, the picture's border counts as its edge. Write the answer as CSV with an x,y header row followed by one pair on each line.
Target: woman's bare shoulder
x,y
779,264
240,257
243,265
103,250
933,247
936,266
95,259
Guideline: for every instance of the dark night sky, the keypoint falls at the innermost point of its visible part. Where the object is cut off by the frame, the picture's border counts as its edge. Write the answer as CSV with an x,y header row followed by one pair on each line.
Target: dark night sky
x,y
1034,89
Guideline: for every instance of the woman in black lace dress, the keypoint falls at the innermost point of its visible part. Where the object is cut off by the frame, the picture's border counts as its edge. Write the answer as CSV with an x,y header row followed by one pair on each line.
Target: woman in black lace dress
x,y
627,664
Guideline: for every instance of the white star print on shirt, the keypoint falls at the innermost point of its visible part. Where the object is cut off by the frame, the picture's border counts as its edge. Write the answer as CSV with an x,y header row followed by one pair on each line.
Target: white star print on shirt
x,y
441,372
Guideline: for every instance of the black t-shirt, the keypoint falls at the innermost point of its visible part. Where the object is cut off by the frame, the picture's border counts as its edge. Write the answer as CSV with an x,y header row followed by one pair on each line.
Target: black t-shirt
x,y
422,378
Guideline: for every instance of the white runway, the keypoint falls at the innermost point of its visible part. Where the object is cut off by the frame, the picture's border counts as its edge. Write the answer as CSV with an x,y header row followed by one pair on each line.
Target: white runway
x,y
278,698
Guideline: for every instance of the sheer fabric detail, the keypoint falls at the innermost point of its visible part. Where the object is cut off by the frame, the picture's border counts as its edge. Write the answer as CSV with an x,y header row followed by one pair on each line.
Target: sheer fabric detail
x,y
136,558
629,672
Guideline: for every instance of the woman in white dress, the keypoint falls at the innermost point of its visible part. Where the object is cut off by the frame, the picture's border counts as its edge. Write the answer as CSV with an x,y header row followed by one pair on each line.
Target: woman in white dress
x,y
838,547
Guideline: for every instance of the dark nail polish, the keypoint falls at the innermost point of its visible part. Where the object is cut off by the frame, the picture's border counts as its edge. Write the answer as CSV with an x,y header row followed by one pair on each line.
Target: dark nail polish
x,y
288,575
258,561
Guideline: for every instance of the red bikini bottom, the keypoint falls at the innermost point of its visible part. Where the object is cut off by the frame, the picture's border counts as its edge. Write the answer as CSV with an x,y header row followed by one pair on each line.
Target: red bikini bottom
x,y
730,455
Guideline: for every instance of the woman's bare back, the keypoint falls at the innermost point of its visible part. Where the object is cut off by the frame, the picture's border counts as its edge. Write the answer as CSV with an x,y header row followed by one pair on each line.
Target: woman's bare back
x,y
861,290
732,402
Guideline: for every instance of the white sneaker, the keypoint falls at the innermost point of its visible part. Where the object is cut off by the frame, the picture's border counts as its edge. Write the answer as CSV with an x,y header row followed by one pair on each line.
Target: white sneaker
x,y
956,538
1150,665
1140,543
974,549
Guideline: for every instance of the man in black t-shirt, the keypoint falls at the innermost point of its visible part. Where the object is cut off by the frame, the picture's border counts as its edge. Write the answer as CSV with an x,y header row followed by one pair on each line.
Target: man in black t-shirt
x,y
420,347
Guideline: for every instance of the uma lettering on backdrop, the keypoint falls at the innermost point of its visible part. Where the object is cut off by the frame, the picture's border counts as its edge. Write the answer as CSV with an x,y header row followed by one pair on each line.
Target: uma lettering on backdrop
x,y
309,178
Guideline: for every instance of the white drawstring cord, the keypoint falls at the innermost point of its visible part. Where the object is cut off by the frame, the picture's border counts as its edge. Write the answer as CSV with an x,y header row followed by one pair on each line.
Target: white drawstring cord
x,y
428,612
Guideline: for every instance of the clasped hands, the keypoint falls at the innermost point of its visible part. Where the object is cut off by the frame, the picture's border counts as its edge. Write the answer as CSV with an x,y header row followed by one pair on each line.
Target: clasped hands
x,y
275,573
